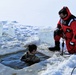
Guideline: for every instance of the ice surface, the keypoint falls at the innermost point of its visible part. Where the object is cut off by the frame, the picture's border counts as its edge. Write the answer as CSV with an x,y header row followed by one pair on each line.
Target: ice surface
x,y
46,36
26,34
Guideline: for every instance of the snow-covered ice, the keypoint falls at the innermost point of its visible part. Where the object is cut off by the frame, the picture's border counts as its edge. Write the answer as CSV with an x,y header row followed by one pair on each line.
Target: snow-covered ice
x,y
22,35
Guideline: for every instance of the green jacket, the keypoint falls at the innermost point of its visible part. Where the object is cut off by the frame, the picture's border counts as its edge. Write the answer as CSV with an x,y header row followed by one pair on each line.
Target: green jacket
x,y
30,58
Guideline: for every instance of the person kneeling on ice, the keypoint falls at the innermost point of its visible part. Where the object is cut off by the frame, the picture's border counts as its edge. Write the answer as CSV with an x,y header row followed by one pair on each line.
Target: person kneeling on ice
x,y
66,28
30,56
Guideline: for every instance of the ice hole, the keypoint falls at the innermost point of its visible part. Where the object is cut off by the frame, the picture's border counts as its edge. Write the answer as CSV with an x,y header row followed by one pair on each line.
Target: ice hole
x,y
13,60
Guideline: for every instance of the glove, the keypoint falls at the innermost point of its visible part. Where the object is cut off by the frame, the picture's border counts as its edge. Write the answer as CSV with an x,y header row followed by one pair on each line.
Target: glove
x,y
57,32
72,43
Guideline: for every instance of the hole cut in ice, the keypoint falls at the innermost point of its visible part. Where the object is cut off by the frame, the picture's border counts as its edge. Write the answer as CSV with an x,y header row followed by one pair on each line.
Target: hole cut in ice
x,y
13,60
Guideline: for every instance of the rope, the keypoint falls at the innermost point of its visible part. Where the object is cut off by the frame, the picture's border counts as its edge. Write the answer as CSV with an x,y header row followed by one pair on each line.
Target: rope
x,y
73,70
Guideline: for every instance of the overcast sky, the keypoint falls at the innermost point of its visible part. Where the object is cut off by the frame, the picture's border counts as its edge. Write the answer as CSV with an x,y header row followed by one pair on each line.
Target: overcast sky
x,y
34,12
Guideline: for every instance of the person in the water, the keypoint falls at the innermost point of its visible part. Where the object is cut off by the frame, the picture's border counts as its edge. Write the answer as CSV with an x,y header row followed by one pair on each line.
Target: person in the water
x,y
30,56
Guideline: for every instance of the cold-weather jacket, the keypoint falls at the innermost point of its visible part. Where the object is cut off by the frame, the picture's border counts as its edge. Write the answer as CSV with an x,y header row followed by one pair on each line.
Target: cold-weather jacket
x,y
68,26
30,58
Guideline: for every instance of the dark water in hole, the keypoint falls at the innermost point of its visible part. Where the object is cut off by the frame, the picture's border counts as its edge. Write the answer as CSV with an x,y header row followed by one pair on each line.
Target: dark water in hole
x,y
13,60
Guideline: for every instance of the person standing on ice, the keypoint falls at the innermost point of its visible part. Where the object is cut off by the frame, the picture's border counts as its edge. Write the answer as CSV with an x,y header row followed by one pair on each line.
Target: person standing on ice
x,y
66,28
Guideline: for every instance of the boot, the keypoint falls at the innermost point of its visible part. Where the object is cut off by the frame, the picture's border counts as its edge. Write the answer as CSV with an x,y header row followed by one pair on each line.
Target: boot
x,y
56,48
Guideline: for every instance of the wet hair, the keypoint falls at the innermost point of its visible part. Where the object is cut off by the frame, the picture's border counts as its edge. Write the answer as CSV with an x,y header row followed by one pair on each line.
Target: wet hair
x,y
32,47
63,11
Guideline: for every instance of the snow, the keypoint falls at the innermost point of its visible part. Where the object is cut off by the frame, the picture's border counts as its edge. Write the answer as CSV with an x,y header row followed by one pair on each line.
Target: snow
x,y
26,34
64,68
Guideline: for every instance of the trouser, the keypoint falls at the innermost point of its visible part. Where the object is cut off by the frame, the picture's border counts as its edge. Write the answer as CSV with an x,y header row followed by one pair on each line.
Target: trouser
x,y
71,49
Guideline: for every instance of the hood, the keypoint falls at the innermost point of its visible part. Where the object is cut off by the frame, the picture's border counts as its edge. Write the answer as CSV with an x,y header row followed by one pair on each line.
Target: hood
x,y
68,12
